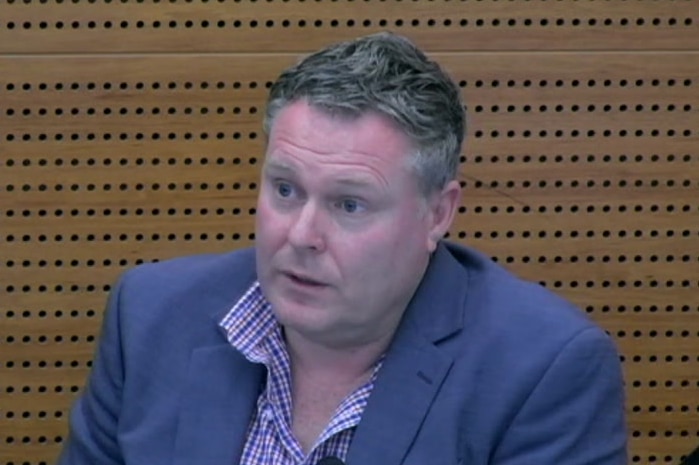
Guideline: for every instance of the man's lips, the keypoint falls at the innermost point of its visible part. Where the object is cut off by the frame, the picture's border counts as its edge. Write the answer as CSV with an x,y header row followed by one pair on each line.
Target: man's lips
x,y
303,278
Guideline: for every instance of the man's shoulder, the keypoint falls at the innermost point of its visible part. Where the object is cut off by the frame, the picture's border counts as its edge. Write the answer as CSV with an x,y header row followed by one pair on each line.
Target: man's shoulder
x,y
522,363
514,330
186,288
209,269
511,309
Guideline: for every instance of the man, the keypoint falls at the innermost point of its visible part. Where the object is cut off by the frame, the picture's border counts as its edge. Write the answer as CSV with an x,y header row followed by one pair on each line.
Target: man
x,y
352,330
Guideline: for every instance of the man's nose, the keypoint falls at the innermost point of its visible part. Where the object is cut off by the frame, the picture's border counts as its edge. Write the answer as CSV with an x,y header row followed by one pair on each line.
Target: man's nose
x,y
307,228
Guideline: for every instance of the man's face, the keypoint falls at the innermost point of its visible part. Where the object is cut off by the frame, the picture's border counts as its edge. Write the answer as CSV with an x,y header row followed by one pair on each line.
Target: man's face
x,y
342,234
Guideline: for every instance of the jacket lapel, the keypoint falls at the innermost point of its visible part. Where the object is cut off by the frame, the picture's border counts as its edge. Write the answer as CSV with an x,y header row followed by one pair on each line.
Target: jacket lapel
x,y
222,385
414,367
402,395
217,403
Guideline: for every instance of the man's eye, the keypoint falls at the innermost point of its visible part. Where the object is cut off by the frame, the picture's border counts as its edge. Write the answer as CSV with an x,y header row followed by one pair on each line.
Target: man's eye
x,y
284,189
350,205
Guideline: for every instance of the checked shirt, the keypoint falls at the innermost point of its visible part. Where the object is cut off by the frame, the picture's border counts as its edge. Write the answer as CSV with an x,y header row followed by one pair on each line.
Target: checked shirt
x,y
253,330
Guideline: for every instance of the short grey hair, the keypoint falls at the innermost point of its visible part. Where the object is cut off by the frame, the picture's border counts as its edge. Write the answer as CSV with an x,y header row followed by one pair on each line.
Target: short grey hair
x,y
384,73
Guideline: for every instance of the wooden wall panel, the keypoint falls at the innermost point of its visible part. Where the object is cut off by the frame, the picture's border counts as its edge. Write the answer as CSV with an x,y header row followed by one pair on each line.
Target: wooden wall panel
x,y
300,25
130,132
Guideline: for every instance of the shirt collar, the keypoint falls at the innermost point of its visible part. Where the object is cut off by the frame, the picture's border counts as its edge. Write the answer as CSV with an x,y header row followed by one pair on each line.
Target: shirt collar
x,y
249,322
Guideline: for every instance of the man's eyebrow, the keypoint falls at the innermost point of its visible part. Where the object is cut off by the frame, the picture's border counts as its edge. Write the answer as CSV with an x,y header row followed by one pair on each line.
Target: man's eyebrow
x,y
279,167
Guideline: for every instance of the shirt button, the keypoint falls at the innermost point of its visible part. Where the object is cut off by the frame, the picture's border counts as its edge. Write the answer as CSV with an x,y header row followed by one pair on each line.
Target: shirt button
x,y
266,414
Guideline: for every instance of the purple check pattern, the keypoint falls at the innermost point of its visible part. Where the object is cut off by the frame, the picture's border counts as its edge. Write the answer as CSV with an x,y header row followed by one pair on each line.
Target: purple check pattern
x,y
254,331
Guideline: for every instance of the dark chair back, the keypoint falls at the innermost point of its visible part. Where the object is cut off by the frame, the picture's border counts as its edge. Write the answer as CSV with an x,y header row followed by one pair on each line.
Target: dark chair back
x,y
692,459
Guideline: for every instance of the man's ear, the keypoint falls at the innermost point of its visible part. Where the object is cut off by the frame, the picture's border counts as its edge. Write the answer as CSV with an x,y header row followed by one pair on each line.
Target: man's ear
x,y
442,208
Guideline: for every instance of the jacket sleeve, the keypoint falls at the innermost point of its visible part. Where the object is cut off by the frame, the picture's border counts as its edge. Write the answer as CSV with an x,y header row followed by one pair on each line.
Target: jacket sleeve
x,y
575,414
94,417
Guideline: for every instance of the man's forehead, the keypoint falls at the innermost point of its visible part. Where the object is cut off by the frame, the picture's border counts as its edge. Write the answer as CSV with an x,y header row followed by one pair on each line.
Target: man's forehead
x,y
349,177
303,132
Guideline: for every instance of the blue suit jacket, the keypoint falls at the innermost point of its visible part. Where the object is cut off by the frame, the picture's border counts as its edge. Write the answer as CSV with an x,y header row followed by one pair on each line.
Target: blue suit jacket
x,y
484,369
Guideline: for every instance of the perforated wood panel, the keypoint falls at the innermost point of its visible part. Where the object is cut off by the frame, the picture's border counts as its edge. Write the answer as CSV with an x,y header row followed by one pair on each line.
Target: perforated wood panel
x,y
130,132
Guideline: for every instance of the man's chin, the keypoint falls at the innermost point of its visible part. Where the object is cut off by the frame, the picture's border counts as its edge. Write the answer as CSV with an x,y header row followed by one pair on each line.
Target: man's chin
x,y
303,319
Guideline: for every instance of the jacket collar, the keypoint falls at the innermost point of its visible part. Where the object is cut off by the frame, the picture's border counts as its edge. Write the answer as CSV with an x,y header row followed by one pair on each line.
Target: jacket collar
x,y
436,309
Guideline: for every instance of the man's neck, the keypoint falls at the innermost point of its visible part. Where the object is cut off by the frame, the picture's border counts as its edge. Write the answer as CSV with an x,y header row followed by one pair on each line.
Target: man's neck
x,y
344,365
